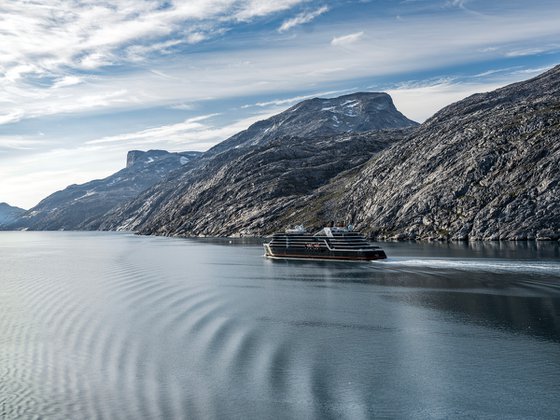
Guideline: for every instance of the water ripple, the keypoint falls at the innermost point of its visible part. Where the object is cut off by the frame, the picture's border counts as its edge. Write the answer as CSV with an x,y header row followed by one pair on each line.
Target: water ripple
x,y
116,326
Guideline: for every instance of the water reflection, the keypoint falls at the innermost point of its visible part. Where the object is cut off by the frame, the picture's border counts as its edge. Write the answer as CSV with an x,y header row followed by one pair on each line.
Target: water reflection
x,y
488,289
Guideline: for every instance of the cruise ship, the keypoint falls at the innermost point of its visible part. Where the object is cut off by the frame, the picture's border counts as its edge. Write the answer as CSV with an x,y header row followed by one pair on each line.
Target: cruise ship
x,y
330,243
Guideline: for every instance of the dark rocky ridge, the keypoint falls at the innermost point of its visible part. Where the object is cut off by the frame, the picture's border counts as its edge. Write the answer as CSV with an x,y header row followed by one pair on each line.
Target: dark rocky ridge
x,y
243,192
75,206
9,214
484,168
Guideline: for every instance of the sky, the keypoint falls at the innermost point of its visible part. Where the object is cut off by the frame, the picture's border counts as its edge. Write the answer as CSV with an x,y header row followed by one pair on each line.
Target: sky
x,y
84,81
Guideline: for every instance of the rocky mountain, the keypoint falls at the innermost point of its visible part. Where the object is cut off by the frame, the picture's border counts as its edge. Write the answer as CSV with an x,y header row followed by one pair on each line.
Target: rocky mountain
x,y
244,192
73,207
8,213
483,168
487,167
317,117
243,183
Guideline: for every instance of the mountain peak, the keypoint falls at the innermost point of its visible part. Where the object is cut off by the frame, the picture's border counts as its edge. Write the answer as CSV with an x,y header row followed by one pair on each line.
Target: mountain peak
x,y
320,117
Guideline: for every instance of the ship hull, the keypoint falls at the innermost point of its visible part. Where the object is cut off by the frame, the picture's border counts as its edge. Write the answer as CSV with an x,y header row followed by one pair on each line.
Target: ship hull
x,y
324,257
306,247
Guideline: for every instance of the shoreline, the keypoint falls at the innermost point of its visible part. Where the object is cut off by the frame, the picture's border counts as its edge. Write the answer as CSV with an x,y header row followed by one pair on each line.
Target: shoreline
x,y
393,239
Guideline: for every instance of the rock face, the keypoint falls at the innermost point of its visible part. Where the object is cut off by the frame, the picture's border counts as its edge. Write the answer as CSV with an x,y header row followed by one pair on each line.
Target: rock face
x,y
77,205
484,168
9,214
243,184
243,192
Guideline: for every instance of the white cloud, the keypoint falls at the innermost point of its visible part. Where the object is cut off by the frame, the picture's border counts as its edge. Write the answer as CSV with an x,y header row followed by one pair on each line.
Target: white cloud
x,y
183,106
53,39
420,101
531,71
255,8
524,52
87,34
87,37
302,18
67,81
16,72
166,133
12,116
95,60
164,75
196,133
347,39
196,37
301,63
139,52
17,143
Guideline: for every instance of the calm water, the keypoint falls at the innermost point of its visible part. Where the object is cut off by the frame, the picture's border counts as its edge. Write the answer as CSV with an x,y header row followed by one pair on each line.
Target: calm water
x,y
116,326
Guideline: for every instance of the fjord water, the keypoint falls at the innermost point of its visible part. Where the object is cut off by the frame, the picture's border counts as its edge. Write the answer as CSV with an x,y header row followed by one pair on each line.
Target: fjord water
x,y
106,325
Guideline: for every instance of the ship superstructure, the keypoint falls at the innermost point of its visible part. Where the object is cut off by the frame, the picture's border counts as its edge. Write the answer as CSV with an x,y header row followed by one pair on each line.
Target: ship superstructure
x,y
330,243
